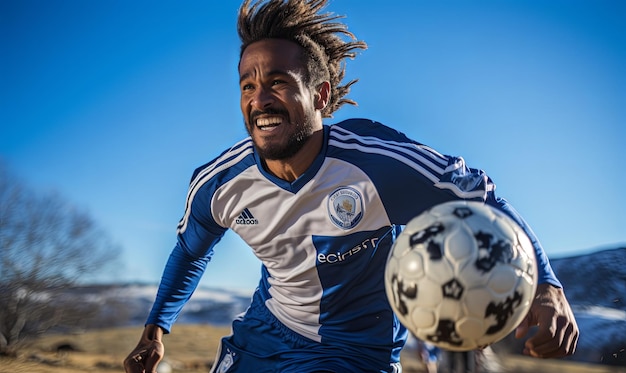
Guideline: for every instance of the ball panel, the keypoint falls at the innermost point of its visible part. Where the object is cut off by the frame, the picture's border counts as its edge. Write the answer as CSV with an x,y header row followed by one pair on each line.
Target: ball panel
x,y
477,298
503,280
470,328
423,318
411,266
430,294
460,245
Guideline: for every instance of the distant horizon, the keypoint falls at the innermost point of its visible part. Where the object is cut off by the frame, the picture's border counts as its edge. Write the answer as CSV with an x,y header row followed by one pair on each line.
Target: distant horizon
x,y
590,252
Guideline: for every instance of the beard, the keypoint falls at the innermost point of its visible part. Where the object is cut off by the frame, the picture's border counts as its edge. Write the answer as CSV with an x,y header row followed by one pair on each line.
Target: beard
x,y
284,150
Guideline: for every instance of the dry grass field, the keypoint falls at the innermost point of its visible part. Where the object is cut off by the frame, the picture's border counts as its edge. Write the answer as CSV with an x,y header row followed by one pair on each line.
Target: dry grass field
x,y
191,349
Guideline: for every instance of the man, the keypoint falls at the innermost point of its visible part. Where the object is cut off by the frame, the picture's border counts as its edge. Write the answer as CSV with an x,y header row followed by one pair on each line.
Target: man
x,y
319,205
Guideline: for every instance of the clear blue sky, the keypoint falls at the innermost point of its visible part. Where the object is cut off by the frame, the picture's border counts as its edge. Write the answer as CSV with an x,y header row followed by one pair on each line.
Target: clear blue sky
x,y
114,103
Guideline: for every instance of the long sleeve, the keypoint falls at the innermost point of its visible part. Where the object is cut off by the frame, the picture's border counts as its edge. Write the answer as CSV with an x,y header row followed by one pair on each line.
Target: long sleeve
x,y
188,260
180,279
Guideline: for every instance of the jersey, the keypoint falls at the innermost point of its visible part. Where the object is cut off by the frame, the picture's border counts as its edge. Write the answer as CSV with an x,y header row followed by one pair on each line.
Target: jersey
x,y
323,239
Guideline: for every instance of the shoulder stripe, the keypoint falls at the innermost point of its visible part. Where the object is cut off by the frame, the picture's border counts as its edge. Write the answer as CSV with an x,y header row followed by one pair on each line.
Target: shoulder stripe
x,y
425,151
430,163
421,158
229,158
368,149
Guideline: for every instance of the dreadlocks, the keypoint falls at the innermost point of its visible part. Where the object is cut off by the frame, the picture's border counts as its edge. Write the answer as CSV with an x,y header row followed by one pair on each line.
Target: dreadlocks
x,y
318,34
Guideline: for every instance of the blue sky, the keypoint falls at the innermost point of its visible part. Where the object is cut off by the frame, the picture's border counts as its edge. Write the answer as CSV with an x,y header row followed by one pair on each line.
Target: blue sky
x,y
114,103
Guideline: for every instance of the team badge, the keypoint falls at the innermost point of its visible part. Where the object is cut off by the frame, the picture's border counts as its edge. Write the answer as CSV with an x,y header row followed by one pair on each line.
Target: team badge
x,y
345,207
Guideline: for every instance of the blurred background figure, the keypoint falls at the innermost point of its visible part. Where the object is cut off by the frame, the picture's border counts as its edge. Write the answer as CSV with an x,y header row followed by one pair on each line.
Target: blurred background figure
x,y
458,362
429,354
478,361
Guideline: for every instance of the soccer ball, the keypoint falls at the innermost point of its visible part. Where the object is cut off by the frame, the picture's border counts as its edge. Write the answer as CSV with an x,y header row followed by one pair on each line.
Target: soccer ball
x,y
461,275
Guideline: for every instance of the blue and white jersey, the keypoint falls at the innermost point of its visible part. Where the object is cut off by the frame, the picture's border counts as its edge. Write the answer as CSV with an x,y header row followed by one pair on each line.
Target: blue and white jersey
x,y
323,239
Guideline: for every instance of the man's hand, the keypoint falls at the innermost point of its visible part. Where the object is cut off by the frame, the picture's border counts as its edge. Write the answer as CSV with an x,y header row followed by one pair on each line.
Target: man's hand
x,y
148,353
557,334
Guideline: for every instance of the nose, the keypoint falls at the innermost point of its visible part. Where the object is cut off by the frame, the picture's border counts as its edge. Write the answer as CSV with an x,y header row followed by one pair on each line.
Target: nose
x,y
262,98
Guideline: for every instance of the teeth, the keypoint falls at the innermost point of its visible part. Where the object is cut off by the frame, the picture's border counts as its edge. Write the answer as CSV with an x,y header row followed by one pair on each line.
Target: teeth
x,y
262,122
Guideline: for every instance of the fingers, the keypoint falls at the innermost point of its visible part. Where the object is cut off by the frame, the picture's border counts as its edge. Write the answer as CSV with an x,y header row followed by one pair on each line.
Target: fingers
x,y
144,360
152,360
149,351
557,332
553,339
546,340
134,363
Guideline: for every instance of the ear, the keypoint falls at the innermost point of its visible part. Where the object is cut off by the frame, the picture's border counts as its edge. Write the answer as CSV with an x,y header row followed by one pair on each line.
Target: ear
x,y
322,95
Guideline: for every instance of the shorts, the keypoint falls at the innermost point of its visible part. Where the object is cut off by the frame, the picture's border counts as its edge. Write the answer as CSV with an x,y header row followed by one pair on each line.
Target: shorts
x,y
260,343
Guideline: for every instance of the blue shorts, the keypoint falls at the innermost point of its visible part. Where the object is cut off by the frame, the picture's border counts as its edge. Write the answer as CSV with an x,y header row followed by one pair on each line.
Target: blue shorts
x,y
260,343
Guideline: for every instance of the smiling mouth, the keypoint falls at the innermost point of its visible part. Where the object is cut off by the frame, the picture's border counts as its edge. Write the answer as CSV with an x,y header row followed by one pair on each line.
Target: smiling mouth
x,y
268,123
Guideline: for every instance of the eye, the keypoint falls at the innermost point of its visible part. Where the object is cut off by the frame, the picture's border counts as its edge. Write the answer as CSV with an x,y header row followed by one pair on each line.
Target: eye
x,y
278,81
247,87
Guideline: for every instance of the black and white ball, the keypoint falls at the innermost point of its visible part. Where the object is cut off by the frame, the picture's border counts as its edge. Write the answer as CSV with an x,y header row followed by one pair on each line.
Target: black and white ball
x,y
461,275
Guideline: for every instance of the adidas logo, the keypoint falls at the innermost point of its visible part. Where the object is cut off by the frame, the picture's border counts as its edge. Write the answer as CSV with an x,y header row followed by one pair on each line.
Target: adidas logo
x,y
246,218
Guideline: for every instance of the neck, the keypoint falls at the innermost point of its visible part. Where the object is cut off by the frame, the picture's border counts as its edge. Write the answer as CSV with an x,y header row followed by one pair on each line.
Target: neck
x,y
292,168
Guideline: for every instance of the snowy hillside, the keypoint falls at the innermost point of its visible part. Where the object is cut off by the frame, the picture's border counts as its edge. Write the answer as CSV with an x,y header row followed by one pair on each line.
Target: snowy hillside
x,y
125,305
595,285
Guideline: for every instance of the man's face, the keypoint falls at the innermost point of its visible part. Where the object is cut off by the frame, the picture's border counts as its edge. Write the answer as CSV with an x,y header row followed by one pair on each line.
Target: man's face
x,y
277,106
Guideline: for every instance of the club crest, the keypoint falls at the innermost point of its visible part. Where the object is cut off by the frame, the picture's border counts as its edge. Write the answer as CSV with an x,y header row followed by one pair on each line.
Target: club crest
x,y
345,207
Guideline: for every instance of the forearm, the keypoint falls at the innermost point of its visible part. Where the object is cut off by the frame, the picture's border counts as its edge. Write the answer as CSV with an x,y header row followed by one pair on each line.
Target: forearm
x,y
152,332
180,279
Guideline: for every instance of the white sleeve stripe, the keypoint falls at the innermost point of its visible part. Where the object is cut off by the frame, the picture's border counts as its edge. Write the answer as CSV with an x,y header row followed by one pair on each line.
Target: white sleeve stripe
x,y
403,152
429,175
413,151
226,161
434,178
423,150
